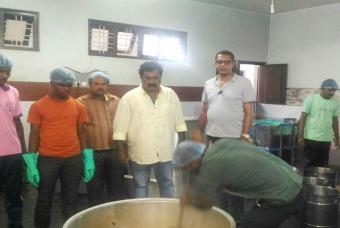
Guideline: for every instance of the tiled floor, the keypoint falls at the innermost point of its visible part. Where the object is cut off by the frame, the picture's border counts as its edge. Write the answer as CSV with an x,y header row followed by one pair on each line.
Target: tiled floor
x,y
29,206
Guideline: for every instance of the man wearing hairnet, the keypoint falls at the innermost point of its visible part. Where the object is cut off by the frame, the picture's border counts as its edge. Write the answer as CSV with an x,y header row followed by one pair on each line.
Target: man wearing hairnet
x,y
319,124
12,144
246,171
101,107
57,135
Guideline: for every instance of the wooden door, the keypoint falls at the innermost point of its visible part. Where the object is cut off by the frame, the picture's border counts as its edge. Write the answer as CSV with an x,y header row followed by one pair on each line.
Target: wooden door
x,y
272,84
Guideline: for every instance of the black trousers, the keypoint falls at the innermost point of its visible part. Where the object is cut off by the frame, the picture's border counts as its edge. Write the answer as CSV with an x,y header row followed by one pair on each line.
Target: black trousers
x,y
317,153
69,171
232,204
107,183
267,215
11,184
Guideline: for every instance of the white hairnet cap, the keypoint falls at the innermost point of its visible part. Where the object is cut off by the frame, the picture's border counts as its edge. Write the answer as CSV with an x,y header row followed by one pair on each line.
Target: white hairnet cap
x,y
62,75
5,63
186,152
101,74
329,84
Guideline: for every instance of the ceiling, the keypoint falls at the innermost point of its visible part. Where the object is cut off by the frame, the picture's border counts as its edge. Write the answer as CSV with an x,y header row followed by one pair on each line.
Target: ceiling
x,y
263,6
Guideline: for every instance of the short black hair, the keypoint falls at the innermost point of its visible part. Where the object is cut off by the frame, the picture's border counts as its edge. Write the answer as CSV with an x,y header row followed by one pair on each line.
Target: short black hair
x,y
225,52
150,66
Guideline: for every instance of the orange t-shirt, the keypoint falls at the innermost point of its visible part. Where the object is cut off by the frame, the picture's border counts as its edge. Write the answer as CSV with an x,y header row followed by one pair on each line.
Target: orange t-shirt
x,y
58,122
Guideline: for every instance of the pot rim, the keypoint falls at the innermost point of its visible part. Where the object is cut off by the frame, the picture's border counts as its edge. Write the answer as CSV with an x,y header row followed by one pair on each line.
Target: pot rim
x,y
321,170
82,213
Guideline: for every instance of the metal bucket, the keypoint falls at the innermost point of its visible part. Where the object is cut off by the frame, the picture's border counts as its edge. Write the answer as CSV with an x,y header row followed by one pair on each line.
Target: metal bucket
x,y
321,207
315,181
149,213
326,173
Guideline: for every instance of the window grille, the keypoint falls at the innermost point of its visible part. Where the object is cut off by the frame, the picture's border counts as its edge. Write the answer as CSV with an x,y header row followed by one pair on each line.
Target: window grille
x,y
133,41
19,30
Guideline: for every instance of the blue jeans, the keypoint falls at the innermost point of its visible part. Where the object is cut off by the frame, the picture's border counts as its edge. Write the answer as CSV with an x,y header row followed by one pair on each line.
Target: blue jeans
x,y
141,178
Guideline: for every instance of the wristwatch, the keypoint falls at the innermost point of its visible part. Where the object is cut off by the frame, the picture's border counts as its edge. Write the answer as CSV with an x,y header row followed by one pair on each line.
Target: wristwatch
x,y
245,135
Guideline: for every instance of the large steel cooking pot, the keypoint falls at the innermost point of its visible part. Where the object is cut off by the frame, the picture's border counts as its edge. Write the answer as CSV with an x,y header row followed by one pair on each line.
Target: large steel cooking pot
x,y
149,213
315,181
323,172
321,208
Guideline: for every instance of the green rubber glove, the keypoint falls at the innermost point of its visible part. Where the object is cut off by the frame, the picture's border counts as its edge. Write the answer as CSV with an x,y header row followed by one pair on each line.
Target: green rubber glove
x,y
89,166
32,172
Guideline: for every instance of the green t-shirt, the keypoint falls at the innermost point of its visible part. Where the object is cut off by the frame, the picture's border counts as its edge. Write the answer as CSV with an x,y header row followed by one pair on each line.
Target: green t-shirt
x,y
247,171
319,120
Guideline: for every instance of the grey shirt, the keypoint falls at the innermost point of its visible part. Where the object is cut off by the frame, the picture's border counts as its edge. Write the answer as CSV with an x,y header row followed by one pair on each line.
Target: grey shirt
x,y
225,106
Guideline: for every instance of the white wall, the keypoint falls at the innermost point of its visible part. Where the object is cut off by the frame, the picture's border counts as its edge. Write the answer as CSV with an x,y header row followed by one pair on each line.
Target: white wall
x,y
191,110
278,111
25,105
309,41
64,32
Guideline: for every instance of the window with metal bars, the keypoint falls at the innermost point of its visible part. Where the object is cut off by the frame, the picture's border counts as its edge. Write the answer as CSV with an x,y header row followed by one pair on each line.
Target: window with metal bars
x,y
134,41
19,29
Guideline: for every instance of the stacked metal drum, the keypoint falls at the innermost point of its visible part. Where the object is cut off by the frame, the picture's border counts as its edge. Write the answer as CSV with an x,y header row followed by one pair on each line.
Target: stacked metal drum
x,y
321,207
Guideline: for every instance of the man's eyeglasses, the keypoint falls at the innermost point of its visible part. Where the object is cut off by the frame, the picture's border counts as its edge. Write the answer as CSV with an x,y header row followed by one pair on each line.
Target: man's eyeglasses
x,y
220,62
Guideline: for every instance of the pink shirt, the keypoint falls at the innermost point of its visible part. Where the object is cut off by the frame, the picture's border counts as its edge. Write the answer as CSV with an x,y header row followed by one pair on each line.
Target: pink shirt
x,y
9,108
